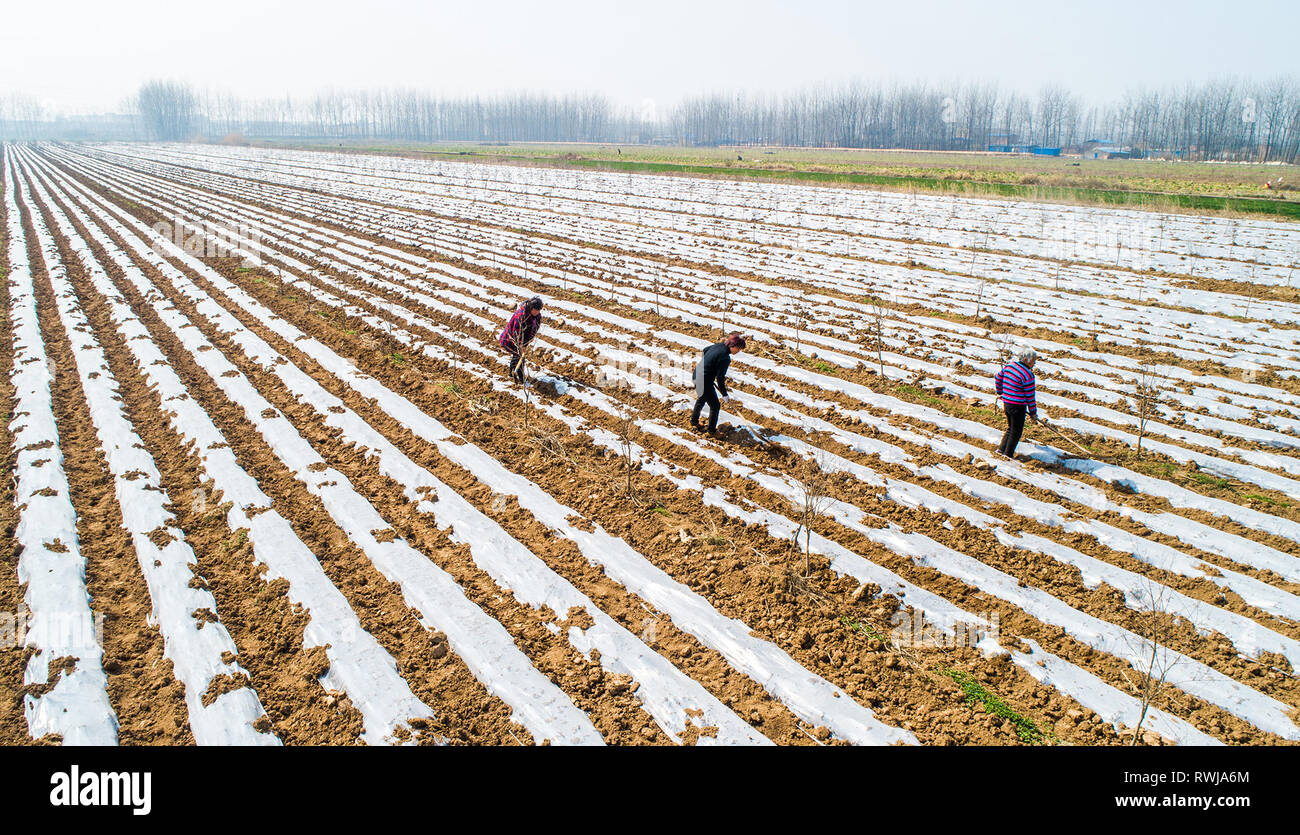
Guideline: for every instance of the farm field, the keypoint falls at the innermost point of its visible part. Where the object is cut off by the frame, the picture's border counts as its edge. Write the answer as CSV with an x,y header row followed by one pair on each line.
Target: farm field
x,y
1160,185
291,474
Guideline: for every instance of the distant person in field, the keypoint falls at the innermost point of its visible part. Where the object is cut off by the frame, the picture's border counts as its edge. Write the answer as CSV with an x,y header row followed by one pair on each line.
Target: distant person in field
x,y
1016,389
711,378
520,330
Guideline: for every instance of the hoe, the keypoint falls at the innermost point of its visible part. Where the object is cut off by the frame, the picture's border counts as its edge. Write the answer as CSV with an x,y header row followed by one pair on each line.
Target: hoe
x,y
1067,439
756,431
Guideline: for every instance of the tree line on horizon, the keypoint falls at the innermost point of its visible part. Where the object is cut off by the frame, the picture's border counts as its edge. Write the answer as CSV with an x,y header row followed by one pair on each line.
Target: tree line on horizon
x,y
1222,119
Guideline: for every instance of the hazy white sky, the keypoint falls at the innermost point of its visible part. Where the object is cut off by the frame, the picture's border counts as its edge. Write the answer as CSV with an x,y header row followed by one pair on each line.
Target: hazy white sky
x,y
84,56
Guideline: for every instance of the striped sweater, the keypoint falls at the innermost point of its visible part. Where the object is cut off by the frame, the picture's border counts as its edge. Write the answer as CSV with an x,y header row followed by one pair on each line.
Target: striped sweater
x,y
1015,385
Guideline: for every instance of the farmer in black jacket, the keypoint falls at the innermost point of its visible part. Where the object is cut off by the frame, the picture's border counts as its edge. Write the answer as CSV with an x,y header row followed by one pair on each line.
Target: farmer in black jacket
x,y
712,371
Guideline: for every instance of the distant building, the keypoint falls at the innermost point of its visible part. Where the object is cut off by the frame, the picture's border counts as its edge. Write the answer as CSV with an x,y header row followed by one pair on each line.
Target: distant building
x,y
1103,149
1022,148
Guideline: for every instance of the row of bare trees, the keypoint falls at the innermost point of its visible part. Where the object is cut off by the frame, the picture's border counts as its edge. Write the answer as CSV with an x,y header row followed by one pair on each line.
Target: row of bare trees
x,y
1224,119
412,115
19,117
168,110
1221,119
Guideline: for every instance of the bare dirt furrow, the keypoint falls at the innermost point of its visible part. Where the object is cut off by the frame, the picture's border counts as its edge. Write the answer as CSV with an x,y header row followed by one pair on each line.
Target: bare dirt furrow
x,y
839,652
1115,673
266,627
465,711
145,694
820,617
13,656
1080,596
903,387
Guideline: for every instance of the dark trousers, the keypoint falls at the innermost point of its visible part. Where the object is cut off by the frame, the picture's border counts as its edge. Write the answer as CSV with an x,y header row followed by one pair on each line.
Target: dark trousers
x,y
710,399
1015,425
517,367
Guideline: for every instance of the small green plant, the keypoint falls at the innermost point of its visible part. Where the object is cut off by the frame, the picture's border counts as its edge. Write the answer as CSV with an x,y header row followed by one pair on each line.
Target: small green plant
x,y
824,367
1213,481
977,694
395,358
862,628
661,510
921,394
1160,469
1269,500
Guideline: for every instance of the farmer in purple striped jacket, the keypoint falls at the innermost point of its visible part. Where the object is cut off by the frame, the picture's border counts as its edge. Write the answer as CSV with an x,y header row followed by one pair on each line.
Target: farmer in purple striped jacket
x,y
520,330
1016,389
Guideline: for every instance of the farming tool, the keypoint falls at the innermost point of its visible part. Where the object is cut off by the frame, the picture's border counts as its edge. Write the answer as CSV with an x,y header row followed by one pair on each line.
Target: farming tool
x,y
756,431
1063,437
1050,428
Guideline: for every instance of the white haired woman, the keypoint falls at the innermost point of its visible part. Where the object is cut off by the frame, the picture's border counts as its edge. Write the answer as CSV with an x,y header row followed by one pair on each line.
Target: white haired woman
x,y
1017,392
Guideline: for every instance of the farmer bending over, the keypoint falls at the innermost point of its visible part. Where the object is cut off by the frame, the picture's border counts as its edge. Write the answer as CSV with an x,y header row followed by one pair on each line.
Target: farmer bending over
x,y
520,330
1015,388
712,371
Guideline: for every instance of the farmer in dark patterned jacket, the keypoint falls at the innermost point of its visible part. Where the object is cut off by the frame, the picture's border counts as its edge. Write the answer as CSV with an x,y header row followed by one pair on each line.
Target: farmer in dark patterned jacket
x,y
520,330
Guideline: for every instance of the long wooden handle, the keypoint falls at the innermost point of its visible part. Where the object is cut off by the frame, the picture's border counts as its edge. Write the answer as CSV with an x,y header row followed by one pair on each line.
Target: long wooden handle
x,y
1090,453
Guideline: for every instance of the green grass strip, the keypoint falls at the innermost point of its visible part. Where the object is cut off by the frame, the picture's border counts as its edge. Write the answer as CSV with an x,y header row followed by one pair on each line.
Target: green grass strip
x,y
976,693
